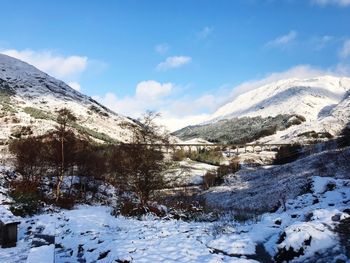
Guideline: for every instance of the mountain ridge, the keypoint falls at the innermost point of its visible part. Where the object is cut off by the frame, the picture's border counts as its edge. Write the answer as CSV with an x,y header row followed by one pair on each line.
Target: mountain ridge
x,y
323,101
319,91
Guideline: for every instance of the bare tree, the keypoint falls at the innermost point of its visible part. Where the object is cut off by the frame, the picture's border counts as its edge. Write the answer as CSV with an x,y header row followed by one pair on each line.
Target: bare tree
x,y
145,130
64,118
30,159
91,166
139,166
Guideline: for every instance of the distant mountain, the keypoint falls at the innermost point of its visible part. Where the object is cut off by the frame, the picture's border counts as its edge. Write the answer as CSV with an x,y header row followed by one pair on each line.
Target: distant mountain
x,y
29,99
311,98
323,102
239,130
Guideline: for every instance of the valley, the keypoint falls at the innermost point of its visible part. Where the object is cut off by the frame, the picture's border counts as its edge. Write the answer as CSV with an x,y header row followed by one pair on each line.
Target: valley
x,y
264,181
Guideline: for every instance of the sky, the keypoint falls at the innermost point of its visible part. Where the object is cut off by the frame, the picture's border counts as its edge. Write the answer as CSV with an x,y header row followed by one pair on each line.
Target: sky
x,y
182,58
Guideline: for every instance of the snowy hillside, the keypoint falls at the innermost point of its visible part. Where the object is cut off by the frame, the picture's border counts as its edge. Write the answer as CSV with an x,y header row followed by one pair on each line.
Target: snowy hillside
x,y
311,98
29,97
322,103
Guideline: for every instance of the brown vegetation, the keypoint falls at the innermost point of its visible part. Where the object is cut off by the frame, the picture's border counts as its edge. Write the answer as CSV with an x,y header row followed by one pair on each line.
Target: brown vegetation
x,y
287,154
64,167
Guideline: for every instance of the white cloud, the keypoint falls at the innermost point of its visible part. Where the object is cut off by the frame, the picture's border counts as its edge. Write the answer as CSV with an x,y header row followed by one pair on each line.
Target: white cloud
x,y
75,85
342,3
152,95
162,48
152,90
59,66
173,62
174,123
205,32
184,106
149,95
283,41
345,50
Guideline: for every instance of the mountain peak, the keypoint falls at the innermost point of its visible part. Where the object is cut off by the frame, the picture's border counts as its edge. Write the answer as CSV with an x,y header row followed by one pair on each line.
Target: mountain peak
x,y
27,80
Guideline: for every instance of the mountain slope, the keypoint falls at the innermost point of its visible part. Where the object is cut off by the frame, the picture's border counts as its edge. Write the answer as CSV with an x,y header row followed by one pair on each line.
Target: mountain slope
x,y
323,102
30,97
311,98
239,130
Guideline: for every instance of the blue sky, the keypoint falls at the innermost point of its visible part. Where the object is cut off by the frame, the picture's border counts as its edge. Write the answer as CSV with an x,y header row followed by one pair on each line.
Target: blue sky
x,y
184,58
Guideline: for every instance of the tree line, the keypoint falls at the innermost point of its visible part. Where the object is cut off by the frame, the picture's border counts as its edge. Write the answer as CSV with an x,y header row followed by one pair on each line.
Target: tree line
x,y
61,167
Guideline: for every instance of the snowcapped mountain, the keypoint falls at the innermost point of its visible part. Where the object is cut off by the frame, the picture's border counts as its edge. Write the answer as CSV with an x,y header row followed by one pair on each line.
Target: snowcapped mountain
x,y
301,109
311,98
30,98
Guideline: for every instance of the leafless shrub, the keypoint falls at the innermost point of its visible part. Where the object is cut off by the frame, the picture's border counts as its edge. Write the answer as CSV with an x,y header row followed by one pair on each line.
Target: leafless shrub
x,y
209,180
179,155
30,160
287,154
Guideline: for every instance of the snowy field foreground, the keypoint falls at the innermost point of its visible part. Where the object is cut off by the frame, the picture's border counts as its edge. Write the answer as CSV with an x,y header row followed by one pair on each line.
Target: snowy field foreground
x,y
91,234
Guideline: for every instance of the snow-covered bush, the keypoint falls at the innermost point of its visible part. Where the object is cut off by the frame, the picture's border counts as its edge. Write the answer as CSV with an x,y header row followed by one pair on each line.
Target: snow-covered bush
x,y
188,208
303,240
343,230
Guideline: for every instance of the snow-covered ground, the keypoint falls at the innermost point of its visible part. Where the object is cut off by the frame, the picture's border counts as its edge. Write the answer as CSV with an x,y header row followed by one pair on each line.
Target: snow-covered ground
x,y
264,188
91,234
